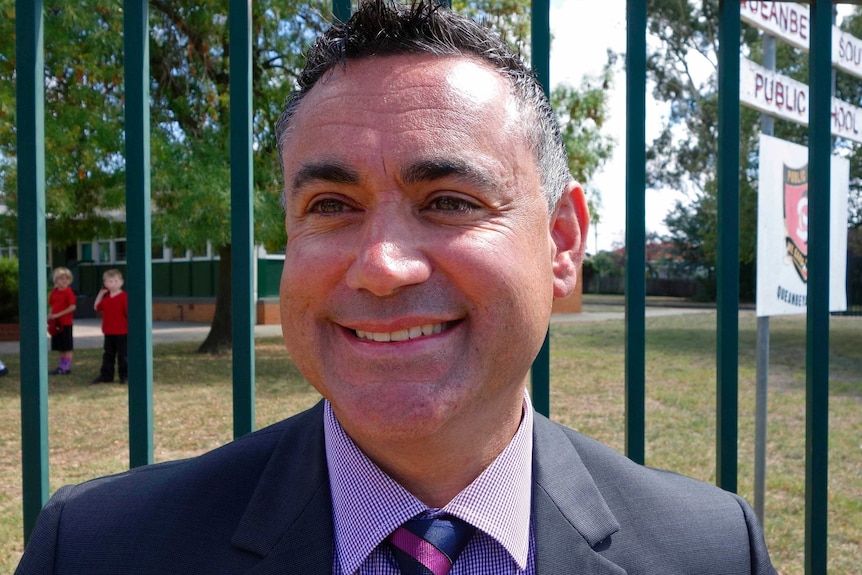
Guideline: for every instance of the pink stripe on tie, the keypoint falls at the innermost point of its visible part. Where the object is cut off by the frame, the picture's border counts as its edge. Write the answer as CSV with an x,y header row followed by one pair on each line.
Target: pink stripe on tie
x,y
435,560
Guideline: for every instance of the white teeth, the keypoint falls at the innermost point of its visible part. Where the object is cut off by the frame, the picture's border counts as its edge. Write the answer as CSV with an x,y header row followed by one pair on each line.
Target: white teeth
x,y
402,334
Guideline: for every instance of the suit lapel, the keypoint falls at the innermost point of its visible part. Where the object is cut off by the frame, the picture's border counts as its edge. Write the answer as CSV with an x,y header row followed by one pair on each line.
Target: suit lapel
x,y
571,516
289,518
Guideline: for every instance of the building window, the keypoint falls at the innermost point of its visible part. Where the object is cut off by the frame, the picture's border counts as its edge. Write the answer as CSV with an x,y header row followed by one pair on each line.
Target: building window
x,y
119,250
157,252
104,249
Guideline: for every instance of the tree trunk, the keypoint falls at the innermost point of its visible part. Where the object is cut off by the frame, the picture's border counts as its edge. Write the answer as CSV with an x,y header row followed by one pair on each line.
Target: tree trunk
x,y
220,338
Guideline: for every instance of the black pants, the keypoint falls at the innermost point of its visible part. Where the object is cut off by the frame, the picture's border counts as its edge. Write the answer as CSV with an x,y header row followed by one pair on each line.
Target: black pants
x,y
115,346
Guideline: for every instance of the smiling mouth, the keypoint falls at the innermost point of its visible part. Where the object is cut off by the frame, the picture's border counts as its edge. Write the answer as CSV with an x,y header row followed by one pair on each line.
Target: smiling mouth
x,y
402,334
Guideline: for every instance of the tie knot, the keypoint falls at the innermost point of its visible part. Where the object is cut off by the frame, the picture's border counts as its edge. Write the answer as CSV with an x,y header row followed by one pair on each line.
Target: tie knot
x,y
430,546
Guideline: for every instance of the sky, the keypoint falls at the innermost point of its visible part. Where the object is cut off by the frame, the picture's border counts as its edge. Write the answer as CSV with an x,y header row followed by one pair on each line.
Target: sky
x,y
583,31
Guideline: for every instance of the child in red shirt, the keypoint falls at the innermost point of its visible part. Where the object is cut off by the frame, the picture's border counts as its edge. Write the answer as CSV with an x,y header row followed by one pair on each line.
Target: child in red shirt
x,y
113,302
62,302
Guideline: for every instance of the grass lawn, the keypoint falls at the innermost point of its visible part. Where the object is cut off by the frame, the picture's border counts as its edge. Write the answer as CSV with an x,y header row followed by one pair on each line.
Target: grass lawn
x,y
192,405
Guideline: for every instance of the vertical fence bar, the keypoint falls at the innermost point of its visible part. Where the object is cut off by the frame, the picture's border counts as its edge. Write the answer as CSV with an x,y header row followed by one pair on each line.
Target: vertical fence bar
x,y
727,349
138,230
540,39
242,216
817,342
341,9
767,126
32,302
636,18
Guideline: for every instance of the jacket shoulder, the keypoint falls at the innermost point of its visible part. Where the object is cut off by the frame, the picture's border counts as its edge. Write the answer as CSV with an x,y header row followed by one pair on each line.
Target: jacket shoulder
x,y
667,522
188,508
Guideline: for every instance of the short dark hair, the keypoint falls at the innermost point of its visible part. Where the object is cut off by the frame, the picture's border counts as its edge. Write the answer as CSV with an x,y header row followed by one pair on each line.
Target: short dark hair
x,y
388,28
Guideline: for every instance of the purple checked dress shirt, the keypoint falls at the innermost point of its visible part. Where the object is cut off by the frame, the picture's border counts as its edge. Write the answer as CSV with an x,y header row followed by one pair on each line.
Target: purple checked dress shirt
x,y
368,505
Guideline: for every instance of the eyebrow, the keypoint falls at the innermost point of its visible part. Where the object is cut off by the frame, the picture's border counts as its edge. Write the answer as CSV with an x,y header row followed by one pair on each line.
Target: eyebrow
x,y
437,169
422,171
325,171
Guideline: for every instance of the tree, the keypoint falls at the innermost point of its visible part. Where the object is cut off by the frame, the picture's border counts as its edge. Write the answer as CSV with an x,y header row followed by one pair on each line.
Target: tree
x,y
83,109
190,51
582,114
189,90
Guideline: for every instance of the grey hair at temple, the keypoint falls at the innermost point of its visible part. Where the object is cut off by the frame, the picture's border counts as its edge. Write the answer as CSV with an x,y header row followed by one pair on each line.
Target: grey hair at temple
x,y
388,28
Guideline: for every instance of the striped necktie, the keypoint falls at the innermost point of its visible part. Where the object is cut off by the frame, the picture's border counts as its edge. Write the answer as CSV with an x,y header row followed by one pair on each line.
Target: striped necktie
x,y
429,546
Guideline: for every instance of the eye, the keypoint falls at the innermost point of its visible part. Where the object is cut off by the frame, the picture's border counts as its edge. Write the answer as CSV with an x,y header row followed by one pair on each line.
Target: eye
x,y
453,204
328,206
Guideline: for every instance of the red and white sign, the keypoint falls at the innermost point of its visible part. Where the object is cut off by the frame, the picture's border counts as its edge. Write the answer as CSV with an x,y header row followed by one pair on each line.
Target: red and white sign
x,y
846,52
782,229
772,93
791,22
786,20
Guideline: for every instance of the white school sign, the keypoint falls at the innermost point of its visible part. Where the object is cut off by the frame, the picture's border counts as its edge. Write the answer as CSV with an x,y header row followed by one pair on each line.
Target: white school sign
x,y
791,22
783,97
782,229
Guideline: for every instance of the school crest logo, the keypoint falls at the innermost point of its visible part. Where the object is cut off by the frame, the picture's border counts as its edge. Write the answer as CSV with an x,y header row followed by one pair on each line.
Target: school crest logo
x,y
796,218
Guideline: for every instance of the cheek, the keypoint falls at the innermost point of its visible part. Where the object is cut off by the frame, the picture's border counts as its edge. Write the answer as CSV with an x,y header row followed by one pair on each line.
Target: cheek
x,y
312,269
520,262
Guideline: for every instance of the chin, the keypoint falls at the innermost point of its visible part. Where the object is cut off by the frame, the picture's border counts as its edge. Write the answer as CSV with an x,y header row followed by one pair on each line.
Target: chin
x,y
398,419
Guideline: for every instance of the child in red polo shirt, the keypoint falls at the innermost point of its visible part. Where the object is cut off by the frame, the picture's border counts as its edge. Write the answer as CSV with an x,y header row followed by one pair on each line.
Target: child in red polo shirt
x,y
62,302
114,305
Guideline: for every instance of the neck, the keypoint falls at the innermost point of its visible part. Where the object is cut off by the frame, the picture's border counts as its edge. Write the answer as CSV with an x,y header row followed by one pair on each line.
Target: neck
x,y
437,468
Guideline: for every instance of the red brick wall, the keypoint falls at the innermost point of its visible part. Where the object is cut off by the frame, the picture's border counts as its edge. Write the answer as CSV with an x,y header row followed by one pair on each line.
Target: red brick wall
x,y
571,304
197,312
9,332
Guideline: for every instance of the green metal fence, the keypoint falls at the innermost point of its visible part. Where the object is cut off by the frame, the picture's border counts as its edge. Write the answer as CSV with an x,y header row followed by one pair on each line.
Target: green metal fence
x,y
31,218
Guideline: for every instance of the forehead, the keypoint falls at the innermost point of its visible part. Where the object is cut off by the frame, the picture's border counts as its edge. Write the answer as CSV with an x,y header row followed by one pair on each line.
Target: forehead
x,y
396,106
380,76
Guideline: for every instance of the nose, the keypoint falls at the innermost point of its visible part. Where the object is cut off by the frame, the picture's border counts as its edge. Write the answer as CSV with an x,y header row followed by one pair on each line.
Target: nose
x,y
388,257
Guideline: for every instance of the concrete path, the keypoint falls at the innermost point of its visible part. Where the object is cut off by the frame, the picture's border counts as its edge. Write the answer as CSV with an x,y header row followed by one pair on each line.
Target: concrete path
x,y
88,334
595,313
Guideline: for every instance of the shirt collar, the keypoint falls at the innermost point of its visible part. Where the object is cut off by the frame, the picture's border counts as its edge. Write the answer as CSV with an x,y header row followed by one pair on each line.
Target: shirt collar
x,y
497,502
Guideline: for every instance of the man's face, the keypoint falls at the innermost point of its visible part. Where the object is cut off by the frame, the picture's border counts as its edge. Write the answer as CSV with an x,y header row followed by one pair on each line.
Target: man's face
x,y
419,271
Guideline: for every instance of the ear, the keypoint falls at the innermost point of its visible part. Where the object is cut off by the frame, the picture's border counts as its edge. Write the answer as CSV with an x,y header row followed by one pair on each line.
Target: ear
x,y
569,224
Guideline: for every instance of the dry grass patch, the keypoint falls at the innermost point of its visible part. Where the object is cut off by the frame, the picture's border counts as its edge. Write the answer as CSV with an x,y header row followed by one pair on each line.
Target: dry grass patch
x,y
588,383
193,407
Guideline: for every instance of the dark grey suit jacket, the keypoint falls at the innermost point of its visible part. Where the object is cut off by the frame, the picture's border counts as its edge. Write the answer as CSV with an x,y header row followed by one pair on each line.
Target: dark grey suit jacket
x,y
261,505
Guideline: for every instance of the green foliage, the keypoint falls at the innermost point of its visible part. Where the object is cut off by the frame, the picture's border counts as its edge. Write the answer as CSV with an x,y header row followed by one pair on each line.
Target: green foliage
x,y
83,112
582,114
510,17
8,290
608,264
